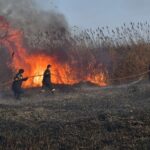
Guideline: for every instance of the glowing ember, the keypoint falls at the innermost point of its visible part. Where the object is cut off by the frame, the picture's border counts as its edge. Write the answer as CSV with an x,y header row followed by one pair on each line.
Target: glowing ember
x,y
35,64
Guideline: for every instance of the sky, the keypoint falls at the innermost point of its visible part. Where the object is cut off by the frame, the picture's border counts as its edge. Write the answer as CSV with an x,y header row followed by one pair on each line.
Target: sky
x,y
95,13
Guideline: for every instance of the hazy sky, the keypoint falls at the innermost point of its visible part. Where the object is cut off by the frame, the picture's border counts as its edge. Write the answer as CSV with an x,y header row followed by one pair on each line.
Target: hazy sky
x,y
94,13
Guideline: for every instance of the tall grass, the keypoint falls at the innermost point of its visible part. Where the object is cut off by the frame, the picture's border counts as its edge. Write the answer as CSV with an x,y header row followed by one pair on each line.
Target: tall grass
x,y
118,52
123,51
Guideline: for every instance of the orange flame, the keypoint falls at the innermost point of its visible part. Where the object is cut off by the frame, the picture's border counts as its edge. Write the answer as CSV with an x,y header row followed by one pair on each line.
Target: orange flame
x,y
35,64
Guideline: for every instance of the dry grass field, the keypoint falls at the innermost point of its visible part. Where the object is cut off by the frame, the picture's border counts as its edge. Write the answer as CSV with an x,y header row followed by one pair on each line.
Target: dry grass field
x,y
82,116
78,117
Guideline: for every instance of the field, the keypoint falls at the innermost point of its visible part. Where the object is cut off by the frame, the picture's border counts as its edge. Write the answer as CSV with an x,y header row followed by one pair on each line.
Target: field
x,y
78,117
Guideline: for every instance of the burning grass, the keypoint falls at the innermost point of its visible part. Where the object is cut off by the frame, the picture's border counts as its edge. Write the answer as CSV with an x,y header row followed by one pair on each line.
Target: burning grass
x,y
89,55
63,72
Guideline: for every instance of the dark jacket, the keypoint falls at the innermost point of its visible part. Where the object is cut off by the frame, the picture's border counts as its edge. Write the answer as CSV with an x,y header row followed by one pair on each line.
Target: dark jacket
x,y
46,78
17,83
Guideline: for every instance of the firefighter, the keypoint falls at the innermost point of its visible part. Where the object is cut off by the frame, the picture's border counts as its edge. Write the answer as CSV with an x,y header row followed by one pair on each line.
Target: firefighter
x,y
46,82
17,83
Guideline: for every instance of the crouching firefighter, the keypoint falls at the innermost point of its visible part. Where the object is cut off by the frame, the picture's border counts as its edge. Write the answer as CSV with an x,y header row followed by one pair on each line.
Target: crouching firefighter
x,y
46,82
17,84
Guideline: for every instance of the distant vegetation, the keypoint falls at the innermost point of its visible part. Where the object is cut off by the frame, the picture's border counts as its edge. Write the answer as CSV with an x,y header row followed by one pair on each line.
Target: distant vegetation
x,y
124,51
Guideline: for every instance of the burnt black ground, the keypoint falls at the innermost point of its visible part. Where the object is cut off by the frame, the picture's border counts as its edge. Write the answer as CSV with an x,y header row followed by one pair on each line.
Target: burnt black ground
x,y
78,117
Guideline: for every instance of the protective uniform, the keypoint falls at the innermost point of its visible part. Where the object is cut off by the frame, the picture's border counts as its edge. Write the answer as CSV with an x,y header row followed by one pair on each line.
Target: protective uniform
x,y
17,83
47,79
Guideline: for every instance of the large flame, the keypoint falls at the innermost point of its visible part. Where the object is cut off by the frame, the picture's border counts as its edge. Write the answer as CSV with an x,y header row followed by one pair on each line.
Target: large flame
x,y
35,64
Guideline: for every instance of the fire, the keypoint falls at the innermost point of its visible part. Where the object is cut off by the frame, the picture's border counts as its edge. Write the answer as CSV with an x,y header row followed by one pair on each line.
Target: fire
x,y
34,64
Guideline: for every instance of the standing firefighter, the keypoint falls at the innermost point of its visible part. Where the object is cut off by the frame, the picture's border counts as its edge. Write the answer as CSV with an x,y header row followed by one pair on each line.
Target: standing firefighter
x,y
17,83
47,84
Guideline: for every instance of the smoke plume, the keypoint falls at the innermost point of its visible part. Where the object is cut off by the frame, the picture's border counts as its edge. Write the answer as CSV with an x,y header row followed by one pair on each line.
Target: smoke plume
x,y
47,39
41,28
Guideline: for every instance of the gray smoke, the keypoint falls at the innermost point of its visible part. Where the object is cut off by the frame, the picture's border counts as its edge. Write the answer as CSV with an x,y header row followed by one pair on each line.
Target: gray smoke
x,y
5,59
41,28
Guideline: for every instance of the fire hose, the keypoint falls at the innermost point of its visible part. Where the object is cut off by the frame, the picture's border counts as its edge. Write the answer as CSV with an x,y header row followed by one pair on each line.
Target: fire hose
x,y
131,77
111,79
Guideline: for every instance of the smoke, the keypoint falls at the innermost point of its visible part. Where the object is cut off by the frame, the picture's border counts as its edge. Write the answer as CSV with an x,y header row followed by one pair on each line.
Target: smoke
x,y
40,27
48,31
5,70
43,30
